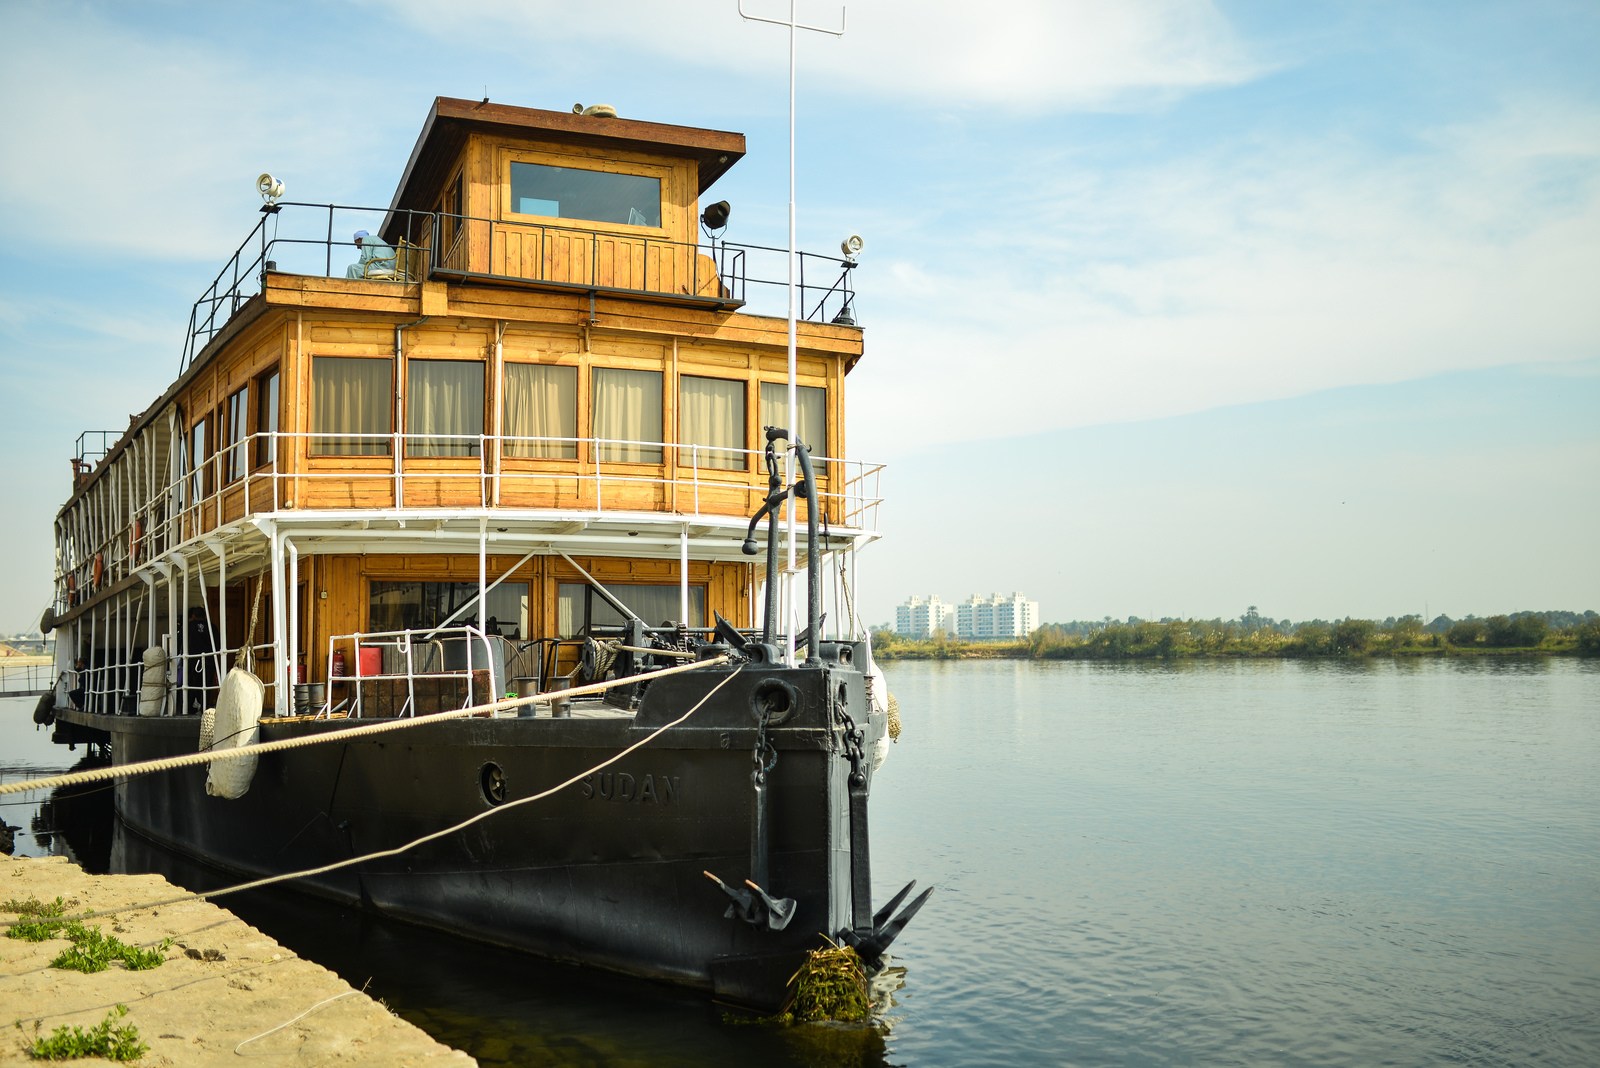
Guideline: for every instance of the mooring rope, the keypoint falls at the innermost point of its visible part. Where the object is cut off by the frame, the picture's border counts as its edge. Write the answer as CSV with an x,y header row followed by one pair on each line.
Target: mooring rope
x,y
431,836
191,759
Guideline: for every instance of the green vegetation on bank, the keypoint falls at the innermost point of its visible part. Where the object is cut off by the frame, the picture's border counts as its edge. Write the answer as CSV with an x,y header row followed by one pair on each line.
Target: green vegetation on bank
x,y
1251,635
106,1039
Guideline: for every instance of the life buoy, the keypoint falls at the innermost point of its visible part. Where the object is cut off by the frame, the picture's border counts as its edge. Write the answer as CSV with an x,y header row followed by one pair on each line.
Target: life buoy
x,y
99,569
133,545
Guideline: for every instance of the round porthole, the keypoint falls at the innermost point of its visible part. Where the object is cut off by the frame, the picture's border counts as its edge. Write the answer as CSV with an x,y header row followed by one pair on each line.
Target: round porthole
x,y
492,781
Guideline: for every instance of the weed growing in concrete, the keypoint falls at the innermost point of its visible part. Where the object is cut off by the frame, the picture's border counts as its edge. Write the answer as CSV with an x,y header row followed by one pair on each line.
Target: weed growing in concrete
x,y
104,1039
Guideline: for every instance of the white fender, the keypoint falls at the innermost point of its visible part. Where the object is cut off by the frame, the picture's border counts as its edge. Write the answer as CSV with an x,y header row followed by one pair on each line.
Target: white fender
x,y
238,723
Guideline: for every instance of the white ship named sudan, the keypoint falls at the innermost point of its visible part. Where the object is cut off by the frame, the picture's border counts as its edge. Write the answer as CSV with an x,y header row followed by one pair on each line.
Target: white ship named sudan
x,y
516,437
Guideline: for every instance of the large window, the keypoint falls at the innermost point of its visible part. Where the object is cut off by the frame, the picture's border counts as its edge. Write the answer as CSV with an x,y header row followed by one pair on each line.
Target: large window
x,y
541,411
233,430
578,606
812,402
444,407
351,402
393,606
594,196
627,411
267,419
199,454
711,415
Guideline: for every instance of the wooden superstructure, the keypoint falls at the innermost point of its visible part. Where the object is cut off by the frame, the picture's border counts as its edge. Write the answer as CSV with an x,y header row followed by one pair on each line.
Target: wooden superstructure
x,y
524,399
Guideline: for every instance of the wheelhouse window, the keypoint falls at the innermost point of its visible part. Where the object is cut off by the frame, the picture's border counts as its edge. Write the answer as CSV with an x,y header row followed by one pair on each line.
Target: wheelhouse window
x,y
351,405
444,407
627,415
234,429
579,608
541,411
812,405
267,419
593,196
394,606
711,416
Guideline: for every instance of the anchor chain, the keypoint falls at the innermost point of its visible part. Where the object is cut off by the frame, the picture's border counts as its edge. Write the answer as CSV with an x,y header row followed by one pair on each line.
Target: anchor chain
x,y
752,903
870,933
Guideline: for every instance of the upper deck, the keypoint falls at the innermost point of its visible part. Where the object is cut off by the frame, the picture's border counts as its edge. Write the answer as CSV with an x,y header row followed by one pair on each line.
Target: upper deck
x,y
543,344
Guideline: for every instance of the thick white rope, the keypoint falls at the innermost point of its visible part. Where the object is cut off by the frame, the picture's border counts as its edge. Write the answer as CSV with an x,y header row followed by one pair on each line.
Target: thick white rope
x,y
430,837
117,771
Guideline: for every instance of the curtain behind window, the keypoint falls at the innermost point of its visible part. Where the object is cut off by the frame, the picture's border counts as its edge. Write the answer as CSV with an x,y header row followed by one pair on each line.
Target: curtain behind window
x,y
711,413
444,407
627,409
541,402
577,606
812,402
350,397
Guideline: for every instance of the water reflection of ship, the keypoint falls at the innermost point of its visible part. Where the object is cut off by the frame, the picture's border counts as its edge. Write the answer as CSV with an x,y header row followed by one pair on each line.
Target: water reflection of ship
x,y
76,821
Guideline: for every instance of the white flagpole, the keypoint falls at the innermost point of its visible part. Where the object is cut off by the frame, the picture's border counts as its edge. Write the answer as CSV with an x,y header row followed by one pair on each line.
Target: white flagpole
x,y
794,297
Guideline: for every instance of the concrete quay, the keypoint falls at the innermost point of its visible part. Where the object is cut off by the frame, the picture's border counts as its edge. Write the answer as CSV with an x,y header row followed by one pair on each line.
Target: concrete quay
x,y
227,994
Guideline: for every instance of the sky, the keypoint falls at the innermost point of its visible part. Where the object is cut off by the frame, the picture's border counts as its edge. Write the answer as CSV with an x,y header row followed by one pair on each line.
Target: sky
x,y
1171,308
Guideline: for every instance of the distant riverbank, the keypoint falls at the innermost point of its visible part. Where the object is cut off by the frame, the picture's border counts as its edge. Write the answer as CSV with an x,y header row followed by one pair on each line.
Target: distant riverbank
x,y
1193,639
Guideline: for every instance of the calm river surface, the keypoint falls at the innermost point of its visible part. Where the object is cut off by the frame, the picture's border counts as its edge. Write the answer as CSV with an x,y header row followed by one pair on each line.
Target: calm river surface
x,y
1210,863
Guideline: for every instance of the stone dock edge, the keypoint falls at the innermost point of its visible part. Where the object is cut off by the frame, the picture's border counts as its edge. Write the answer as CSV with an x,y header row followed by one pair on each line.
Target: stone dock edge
x,y
223,983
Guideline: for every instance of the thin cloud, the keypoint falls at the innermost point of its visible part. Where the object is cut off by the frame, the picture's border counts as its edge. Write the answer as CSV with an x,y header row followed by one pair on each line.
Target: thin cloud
x,y
153,139
1027,55
1237,276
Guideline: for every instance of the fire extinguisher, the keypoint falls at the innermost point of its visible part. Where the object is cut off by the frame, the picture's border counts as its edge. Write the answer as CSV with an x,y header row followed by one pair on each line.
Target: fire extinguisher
x,y
337,670
300,669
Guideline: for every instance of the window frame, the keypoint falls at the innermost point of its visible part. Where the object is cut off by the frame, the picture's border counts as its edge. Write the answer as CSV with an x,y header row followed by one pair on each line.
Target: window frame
x,y
383,449
513,450
664,175
646,446
737,455
266,385
471,441
234,423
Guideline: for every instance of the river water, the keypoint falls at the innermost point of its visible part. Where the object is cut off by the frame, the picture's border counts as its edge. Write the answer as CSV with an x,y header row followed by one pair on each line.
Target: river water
x,y
1394,862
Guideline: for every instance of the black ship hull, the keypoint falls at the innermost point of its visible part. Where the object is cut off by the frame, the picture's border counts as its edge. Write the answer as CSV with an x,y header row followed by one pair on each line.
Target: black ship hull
x,y
609,870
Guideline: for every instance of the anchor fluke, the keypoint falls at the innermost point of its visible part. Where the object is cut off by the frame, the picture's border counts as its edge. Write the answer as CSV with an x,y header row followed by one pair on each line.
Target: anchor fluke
x,y
780,910
874,944
755,906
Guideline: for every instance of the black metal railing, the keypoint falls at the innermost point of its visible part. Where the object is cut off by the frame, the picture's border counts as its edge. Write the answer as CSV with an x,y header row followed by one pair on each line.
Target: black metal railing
x,y
303,238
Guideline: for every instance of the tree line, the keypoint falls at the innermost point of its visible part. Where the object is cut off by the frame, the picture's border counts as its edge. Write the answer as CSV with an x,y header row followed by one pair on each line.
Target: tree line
x,y
1253,635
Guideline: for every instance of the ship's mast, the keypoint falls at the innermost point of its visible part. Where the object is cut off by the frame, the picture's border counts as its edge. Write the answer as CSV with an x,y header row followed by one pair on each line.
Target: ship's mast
x,y
793,25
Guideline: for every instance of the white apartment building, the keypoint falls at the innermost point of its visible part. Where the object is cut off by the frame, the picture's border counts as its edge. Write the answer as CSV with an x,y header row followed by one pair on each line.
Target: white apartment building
x,y
921,616
988,618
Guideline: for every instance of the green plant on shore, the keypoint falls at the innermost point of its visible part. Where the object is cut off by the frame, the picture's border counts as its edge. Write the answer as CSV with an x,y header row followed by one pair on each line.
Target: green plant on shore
x,y
34,907
91,950
105,1039
41,920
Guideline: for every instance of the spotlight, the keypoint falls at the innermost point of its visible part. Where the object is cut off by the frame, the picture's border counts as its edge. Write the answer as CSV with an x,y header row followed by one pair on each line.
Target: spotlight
x,y
271,191
715,217
851,247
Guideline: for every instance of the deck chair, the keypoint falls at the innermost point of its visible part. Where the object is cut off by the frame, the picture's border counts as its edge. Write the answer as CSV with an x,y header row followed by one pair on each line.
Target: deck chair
x,y
395,267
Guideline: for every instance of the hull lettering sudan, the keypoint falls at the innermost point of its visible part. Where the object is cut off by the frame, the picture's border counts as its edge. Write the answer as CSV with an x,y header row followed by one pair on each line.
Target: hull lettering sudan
x,y
621,786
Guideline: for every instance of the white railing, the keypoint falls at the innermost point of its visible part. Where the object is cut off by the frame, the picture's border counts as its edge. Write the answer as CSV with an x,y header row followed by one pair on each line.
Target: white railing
x,y
693,480
397,660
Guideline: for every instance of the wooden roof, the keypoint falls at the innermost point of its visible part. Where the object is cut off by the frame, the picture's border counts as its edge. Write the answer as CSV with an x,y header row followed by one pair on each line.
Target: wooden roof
x,y
451,120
